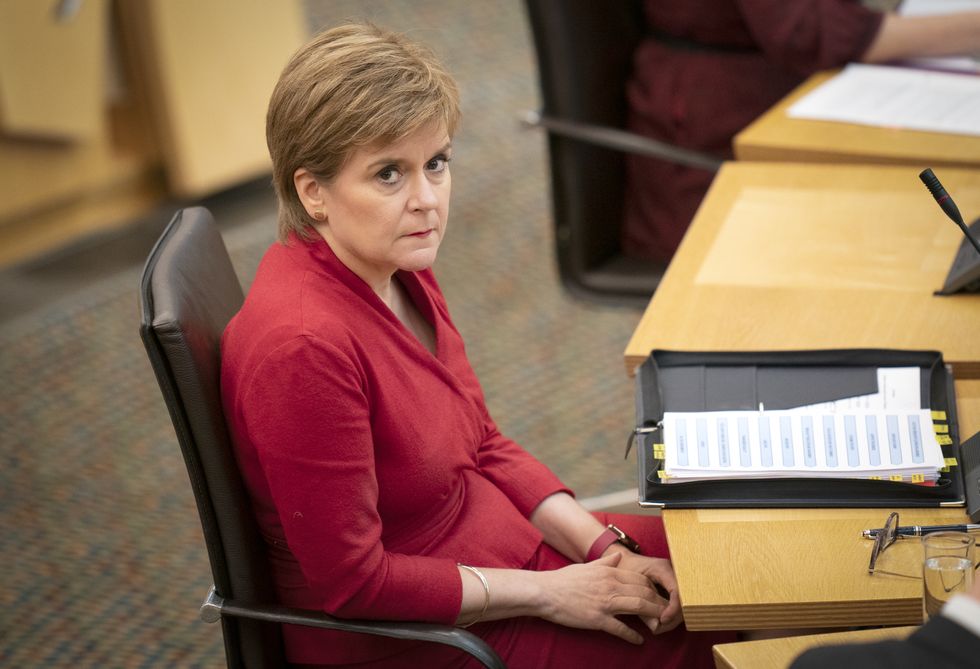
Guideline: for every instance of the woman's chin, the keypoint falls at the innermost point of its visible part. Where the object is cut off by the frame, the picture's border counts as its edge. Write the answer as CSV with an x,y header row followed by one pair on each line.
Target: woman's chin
x,y
419,260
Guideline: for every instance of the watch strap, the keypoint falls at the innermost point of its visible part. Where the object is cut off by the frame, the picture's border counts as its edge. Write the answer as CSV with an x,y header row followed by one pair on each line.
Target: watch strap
x,y
609,536
599,546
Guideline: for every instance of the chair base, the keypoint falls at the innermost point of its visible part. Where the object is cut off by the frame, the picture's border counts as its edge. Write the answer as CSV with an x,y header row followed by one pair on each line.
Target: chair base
x,y
618,280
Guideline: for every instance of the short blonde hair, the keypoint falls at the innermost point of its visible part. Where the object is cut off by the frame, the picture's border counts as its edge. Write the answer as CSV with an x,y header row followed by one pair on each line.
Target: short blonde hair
x,y
349,87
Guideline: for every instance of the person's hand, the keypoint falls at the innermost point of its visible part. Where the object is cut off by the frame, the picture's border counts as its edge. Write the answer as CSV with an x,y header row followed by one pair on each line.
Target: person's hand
x,y
661,573
591,595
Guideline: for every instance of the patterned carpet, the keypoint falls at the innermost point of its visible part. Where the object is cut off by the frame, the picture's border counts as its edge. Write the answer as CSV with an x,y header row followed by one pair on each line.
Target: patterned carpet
x,y
104,565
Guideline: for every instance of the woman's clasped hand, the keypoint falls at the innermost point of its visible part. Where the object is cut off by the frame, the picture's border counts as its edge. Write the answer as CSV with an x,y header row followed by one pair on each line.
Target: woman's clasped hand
x,y
592,594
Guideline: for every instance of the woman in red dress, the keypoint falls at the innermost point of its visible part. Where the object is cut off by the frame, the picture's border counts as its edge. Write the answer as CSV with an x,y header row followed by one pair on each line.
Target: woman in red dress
x,y
382,486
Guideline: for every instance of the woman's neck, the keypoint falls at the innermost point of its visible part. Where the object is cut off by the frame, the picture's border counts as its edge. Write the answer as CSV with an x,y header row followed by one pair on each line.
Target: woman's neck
x,y
401,304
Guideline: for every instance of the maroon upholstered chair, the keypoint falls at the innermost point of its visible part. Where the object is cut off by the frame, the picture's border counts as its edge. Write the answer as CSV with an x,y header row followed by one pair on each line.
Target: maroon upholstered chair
x,y
585,54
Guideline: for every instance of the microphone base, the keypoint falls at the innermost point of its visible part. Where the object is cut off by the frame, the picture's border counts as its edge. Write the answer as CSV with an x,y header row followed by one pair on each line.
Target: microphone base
x,y
964,273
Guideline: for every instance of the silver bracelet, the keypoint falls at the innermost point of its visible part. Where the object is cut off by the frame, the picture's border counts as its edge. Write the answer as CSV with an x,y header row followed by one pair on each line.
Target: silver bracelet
x,y
486,593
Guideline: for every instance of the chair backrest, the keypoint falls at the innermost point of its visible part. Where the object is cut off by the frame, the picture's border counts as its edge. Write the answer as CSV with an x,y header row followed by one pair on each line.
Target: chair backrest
x,y
585,52
188,293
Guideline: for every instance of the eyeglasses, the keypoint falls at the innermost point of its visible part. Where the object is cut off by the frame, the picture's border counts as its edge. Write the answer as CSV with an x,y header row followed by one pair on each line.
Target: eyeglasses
x,y
885,537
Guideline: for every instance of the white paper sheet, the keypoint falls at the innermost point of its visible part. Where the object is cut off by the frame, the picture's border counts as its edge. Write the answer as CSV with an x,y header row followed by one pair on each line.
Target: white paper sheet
x,y
899,389
896,97
930,7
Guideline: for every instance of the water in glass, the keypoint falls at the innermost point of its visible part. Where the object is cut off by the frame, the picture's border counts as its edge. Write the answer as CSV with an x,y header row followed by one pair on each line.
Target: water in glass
x,y
944,576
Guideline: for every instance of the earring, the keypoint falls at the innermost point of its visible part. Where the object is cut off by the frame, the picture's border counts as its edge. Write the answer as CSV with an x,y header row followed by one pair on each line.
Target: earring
x,y
318,215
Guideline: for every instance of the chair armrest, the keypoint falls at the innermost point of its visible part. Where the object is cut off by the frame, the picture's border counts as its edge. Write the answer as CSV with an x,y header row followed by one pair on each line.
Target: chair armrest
x,y
215,606
621,140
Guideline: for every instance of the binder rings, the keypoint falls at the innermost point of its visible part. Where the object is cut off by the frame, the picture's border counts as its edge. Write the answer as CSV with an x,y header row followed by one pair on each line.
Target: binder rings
x,y
719,381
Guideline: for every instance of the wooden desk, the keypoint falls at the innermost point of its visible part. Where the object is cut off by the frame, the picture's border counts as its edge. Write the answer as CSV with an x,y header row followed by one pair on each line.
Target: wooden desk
x,y
143,89
850,258
779,653
790,568
793,256
776,137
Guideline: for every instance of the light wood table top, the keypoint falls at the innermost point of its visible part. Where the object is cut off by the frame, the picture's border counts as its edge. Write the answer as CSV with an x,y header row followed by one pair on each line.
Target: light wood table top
x,y
780,652
791,256
776,137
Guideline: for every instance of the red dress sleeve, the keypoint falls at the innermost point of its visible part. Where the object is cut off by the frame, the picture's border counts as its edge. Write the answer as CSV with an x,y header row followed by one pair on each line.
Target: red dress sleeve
x,y
519,475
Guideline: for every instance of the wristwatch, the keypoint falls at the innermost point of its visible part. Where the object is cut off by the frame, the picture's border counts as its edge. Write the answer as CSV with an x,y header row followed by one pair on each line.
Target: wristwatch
x,y
609,536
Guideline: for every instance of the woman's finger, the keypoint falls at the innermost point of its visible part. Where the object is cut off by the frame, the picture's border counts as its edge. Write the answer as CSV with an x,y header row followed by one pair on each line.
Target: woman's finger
x,y
652,623
636,606
618,628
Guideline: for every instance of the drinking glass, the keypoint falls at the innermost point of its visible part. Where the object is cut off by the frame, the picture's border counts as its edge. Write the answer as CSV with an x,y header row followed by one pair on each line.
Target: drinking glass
x,y
947,568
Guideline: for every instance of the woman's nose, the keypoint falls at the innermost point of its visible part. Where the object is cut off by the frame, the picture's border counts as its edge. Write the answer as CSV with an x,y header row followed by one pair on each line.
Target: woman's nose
x,y
424,195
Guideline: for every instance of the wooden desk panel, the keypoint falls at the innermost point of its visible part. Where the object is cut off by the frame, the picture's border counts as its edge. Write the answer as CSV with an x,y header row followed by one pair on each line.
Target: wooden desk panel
x,y
793,568
850,258
209,69
776,137
968,408
780,652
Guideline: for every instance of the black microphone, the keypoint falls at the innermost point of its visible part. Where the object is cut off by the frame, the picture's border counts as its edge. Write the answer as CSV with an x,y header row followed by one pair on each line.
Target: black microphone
x,y
947,204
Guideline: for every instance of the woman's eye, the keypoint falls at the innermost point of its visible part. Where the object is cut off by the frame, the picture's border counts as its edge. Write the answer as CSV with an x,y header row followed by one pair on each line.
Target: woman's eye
x,y
389,175
437,164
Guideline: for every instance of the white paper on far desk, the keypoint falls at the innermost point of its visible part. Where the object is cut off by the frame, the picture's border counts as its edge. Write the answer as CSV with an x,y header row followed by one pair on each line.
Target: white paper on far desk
x,y
933,7
896,97
884,435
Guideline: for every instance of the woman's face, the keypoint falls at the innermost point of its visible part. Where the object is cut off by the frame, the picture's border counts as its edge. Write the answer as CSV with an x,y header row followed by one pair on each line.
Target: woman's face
x,y
388,206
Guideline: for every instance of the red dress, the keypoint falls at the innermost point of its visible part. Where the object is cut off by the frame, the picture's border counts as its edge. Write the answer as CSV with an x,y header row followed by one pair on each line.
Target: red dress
x,y
707,69
374,467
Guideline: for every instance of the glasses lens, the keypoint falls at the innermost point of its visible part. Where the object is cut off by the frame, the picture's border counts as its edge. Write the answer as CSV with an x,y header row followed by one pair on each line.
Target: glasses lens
x,y
884,539
890,530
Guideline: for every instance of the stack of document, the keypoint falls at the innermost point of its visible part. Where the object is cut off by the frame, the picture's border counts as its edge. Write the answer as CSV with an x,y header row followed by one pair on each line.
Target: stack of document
x,y
885,435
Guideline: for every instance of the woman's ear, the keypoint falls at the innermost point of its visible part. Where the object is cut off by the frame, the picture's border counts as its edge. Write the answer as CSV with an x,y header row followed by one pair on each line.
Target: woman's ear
x,y
310,193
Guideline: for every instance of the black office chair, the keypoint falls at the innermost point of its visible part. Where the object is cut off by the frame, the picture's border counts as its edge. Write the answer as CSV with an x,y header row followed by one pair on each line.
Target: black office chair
x,y
585,55
188,293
